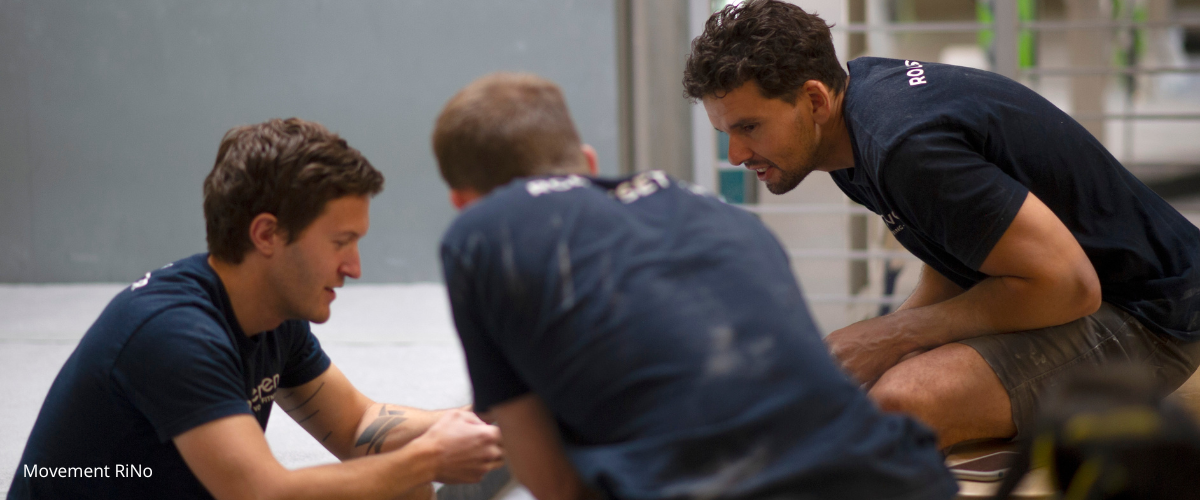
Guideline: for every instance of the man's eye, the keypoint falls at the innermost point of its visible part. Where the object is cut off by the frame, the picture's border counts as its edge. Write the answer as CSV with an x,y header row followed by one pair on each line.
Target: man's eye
x,y
749,128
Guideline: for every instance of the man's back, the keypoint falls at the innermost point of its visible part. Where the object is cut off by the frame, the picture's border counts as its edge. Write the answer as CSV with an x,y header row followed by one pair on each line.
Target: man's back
x,y
666,334
948,157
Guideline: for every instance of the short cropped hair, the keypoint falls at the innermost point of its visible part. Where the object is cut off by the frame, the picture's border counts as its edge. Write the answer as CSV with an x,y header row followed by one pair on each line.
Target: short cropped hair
x,y
776,44
288,168
501,127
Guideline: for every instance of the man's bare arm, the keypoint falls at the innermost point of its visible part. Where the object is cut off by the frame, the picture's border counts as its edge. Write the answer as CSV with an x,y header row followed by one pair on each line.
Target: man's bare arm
x,y
231,459
1040,277
534,450
932,288
346,422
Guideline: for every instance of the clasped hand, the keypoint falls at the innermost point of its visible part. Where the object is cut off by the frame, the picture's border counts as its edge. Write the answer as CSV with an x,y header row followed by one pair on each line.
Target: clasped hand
x,y
468,447
867,349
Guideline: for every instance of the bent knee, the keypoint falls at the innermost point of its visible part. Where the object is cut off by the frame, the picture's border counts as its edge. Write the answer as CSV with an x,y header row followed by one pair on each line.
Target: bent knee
x,y
896,395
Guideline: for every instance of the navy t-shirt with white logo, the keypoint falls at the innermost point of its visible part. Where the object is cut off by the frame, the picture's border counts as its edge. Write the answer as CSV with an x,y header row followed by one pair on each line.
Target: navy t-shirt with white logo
x,y
946,155
668,337
165,356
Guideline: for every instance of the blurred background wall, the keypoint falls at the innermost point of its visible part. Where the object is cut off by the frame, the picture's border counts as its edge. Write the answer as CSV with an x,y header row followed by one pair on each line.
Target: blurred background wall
x,y
111,112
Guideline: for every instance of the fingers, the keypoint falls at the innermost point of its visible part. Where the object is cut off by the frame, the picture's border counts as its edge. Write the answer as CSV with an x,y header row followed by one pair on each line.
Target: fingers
x,y
471,473
472,417
471,447
463,415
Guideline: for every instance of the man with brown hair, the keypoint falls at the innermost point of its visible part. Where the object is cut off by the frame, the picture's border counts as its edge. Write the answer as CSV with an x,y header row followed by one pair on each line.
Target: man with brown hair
x,y
638,337
1042,253
169,392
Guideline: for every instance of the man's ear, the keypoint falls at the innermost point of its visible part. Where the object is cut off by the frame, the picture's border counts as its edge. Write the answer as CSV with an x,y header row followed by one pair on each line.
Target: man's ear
x,y
816,94
463,197
589,153
265,233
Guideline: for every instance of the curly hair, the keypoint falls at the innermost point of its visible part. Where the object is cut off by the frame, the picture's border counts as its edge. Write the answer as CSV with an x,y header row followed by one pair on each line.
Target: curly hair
x,y
777,45
288,168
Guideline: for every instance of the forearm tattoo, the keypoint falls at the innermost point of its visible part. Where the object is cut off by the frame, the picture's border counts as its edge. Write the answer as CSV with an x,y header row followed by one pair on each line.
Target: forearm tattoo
x,y
374,435
305,403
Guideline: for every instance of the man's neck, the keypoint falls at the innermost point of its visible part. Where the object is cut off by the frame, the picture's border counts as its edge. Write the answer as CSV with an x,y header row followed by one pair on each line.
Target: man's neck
x,y
246,287
839,151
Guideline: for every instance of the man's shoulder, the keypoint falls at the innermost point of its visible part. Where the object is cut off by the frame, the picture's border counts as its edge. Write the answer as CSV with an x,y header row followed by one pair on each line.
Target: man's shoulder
x,y
890,99
185,280
589,201
527,191
908,83
519,203
183,293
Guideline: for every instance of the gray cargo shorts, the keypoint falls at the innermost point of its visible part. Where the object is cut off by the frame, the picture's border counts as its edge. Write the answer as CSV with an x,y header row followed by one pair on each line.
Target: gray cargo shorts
x,y
1032,362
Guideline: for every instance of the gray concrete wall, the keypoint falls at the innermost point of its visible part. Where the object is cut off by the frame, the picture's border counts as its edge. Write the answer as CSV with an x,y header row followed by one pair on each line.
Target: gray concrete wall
x,y
111,111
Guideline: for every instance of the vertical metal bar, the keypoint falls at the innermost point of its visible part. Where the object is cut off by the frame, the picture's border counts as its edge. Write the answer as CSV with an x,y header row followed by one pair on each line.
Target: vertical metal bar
x,y
704,138
880,43
640,61
1005,45
858,268
662,118
1130,80
624,86
1088,48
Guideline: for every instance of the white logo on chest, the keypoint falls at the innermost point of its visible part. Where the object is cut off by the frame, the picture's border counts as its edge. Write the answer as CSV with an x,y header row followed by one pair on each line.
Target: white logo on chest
x,y
894,224
264,393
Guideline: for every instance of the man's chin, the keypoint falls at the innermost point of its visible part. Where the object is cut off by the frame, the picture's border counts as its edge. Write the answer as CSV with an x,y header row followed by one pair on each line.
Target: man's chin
x,y
318,317
776,188
786,182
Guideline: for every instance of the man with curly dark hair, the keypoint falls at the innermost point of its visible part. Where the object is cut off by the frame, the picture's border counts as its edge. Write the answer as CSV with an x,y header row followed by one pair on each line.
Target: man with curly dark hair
x,y
1042,252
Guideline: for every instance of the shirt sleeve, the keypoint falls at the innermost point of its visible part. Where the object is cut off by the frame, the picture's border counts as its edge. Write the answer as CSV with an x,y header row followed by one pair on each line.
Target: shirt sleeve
x,y
306,360
944,188
181,370
492,376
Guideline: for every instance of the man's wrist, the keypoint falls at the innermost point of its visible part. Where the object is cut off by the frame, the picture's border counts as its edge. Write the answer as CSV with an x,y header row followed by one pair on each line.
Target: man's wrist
x,y
913,329
420,457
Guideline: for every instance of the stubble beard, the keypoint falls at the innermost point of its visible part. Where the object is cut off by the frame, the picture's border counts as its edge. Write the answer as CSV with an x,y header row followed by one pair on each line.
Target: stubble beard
x,y
791,177
788,179
297,288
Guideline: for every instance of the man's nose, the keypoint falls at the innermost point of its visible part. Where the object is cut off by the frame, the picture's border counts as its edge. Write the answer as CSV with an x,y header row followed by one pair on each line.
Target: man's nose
x,y
352,266
738,152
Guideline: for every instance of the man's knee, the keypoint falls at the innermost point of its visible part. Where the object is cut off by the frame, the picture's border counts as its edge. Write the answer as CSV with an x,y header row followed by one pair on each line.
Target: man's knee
x,y
950,375
894,392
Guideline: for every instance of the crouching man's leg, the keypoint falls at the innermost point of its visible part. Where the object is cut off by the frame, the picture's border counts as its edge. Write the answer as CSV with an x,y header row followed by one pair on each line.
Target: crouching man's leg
x,y
952,390
990,386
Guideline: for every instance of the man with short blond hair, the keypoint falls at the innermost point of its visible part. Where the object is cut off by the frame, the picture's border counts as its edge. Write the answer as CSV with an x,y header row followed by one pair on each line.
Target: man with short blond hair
x,y
639,338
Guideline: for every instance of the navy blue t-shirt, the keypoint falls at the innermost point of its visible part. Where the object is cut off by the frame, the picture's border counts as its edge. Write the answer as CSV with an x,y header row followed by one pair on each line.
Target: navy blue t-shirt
x,y
948,154
165,356
667,335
